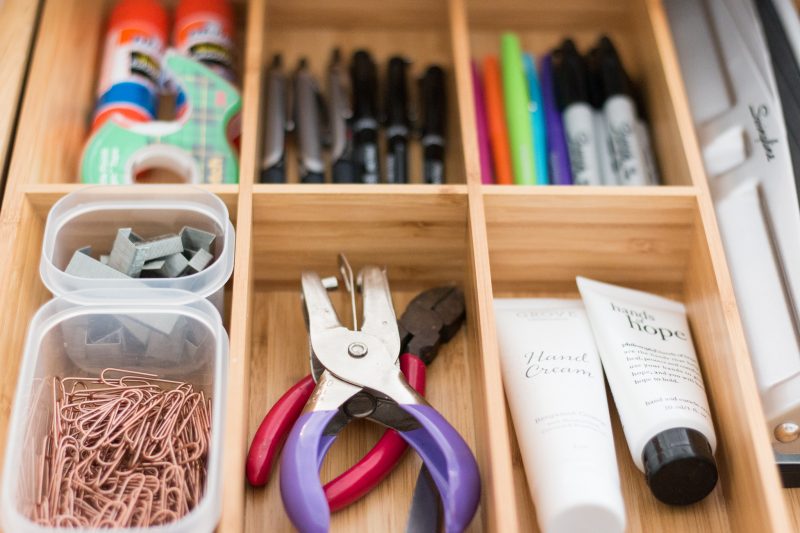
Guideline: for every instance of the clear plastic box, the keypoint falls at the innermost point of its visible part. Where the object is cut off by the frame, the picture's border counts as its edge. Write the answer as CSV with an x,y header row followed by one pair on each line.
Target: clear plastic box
x,y
92,215
56,346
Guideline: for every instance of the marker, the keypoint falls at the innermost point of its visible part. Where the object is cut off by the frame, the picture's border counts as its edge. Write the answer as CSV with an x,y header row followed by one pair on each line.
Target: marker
x,y
608,170
396,113
364,76
481,123
308,125
620,113
273,165
520,133
339,115
558,155
433,106
537,120
496,115
572,91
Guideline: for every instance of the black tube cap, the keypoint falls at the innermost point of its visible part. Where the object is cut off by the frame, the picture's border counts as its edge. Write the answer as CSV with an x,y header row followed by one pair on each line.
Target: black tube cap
x,y
570,75
364,80
679,466
396,103
615,79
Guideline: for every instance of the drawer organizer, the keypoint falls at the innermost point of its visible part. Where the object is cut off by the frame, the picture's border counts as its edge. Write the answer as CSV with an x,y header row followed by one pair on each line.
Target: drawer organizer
x,y
492,240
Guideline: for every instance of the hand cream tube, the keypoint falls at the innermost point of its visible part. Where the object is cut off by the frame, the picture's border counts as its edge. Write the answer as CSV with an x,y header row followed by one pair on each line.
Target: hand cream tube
x,y
649,360
554,385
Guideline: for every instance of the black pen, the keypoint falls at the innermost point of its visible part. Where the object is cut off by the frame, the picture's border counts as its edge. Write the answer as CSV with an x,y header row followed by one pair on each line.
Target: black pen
x,y
339,115
397,121
273,165
308,125
433,106
364,76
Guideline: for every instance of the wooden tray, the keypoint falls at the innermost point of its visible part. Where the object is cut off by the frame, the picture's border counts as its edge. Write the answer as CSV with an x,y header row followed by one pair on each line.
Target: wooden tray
x,y
17,27
490,239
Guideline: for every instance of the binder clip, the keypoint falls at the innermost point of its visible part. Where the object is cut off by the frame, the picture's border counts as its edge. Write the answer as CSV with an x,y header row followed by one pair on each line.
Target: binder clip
x,y
195,145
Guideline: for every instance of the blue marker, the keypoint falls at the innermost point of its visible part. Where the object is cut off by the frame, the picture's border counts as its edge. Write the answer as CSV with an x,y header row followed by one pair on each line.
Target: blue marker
x,y
537,118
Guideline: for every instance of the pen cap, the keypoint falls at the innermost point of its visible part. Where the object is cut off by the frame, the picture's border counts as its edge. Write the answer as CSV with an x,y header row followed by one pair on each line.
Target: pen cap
x,y
396,92
364,76
679,466
433,101
612,73
571,76
597,94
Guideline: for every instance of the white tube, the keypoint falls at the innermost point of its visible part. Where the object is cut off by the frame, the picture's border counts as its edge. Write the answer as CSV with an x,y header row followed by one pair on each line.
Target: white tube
x,y
649,359
554,385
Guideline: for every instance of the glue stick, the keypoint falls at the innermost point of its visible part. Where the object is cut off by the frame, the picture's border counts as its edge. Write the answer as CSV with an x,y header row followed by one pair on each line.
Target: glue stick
x,y
131,69
204,31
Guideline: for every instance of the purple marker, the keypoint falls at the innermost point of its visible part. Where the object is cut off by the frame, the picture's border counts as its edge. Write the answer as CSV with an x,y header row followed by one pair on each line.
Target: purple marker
x,y
481,122
558,156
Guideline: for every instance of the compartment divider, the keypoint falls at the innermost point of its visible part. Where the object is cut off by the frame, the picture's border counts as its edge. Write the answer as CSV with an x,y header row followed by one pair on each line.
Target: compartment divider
x,y
241,321
500,511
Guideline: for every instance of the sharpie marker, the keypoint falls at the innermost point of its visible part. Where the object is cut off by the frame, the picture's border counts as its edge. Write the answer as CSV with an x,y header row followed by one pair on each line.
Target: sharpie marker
x,y
482,125
572,91
307,120
397,129
339,114
515,92
273,165
536,109
364,76
620,113
557,153
608,170
433,106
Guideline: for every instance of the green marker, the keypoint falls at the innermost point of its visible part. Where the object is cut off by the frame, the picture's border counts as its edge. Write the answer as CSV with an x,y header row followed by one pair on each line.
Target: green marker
x,y
518,118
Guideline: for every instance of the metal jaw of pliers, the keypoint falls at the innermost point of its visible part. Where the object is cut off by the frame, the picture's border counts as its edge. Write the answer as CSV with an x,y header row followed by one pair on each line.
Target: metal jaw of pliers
x,y
360,378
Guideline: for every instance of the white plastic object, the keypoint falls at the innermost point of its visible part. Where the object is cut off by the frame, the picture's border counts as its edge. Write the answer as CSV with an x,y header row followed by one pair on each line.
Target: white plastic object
x,y
92,215
46,355
557,395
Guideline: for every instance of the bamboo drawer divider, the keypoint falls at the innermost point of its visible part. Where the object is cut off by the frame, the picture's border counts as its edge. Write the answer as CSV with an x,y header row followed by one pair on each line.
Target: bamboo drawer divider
x,y
492,240
17,29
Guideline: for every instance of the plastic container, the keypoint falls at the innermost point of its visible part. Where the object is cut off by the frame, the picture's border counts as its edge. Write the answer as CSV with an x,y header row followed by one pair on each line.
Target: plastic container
x,y
92,215
51,350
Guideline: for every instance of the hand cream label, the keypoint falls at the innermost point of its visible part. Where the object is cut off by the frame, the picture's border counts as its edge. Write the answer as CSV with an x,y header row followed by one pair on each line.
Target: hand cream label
x,y
555,389
650,361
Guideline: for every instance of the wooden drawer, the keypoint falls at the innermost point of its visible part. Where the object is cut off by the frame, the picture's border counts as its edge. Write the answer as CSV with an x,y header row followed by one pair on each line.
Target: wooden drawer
x,y
17,28
492,240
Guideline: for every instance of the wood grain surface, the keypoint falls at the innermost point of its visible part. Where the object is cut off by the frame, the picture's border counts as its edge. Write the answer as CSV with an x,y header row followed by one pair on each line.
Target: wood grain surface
x,y
489,239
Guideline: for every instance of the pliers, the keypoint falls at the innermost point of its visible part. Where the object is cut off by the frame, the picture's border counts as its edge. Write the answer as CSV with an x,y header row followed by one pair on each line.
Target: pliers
x,y
431,319
358,376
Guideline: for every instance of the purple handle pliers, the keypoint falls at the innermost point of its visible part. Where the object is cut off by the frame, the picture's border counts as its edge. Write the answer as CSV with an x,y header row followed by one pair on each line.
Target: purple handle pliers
x,y
358,376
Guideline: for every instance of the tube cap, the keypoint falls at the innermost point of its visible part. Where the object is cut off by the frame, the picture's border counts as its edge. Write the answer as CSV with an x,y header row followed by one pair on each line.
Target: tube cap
x,y
570,74
679,466
148,11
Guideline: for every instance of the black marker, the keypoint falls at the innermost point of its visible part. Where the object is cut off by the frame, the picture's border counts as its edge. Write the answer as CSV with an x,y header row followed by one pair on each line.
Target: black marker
x,y
434,107
397,121
273,165
364,76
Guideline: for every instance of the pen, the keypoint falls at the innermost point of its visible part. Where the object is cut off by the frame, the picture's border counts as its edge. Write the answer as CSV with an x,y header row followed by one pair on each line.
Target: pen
x,y
308,132
433,106
572,91
273,165
536,111
364,76
496,115
620,113
481,123
396,113
608,172
339,114
520,134
558,156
